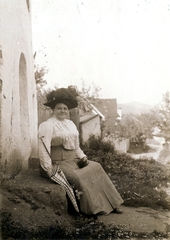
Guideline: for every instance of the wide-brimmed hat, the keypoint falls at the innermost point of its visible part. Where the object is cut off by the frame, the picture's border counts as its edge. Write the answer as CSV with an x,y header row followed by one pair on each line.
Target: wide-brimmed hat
x,y
61,95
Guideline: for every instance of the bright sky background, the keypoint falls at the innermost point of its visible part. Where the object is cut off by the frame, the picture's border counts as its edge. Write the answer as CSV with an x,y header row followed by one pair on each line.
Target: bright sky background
x,y
123,46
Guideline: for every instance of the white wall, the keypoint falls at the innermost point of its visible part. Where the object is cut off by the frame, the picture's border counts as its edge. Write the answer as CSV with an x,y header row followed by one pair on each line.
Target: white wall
x,y
120,145
18,98
91,127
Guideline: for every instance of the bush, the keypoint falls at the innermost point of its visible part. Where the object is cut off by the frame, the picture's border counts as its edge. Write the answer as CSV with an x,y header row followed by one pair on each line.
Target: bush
x,y
96,143
137,180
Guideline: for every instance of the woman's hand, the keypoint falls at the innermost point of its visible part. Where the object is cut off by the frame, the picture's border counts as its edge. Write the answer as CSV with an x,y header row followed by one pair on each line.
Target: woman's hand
x,y
83,162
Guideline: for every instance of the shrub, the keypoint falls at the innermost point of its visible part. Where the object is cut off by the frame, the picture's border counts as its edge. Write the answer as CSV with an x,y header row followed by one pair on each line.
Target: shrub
x,y
137,180
96,143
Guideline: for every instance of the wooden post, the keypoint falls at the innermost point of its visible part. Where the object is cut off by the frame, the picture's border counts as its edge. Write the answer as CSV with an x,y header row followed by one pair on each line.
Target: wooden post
x,y
74,116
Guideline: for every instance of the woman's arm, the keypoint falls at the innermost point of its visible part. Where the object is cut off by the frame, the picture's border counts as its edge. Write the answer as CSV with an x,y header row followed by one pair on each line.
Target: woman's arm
x,y
79,152
45,136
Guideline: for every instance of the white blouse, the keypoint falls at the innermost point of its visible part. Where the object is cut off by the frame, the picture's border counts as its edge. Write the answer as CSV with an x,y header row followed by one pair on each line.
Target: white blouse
x,y
54,132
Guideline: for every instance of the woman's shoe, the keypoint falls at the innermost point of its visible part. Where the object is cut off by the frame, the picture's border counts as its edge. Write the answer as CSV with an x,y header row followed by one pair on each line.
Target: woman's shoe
x,y
117,210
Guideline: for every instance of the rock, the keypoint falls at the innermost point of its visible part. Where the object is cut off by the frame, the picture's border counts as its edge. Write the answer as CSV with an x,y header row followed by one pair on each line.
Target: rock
x,y
36,191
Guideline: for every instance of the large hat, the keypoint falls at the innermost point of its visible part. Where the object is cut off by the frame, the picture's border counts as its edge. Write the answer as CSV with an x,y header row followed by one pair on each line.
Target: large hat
x,y
61,95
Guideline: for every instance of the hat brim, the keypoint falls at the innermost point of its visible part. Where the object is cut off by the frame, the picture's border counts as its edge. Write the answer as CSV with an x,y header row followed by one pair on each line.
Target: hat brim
x,y
70,103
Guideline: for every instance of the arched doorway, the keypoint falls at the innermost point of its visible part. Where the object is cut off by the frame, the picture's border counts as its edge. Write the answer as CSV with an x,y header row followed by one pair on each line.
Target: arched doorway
x,y
24,111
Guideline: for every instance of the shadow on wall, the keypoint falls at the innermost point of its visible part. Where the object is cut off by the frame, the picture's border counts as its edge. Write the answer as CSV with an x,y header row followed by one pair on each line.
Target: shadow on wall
x,y
14,163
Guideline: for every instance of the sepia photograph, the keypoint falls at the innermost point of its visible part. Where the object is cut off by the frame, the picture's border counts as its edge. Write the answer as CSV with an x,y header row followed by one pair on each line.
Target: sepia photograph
x,y
85,119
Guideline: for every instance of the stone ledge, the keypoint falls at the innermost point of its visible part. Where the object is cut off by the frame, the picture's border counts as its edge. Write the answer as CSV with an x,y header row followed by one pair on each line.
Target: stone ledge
x,y
33,163
37,191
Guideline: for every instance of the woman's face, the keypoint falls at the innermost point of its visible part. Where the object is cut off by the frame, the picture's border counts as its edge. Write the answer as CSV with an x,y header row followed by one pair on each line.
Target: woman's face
x,y
61,111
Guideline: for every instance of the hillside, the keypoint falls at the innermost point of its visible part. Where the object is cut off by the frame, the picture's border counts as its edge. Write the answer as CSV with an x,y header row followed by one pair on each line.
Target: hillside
x,y
134,107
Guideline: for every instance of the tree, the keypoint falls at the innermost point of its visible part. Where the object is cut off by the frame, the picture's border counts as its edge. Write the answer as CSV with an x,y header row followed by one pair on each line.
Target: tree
x,y
150,120
164,121
39,73
90,92
130,127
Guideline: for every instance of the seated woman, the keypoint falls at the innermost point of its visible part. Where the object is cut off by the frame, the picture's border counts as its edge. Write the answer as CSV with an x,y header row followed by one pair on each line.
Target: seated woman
x,y
59,146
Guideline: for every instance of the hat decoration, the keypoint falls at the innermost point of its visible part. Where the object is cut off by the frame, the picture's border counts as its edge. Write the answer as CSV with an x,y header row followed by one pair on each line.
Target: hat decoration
x,y
61,95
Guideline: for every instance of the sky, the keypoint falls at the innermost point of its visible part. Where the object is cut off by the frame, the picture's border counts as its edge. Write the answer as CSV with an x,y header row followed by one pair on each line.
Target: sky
x,y
121,46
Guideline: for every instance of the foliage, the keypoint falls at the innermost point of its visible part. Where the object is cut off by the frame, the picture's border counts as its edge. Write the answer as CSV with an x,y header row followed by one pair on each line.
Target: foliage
x,y
39,73
96,143
150,120
164,121
90,92
130,127
138,181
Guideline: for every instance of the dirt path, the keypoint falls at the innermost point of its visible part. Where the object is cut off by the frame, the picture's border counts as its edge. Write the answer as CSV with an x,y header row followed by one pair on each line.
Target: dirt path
x,y
154,152
140,219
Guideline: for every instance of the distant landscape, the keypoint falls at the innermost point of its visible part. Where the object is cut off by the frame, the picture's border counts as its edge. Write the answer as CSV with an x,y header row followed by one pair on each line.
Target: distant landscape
x,y
134,107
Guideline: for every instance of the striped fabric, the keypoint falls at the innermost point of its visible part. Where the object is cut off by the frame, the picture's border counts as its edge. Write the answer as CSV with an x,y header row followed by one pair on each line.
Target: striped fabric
x,y
59,177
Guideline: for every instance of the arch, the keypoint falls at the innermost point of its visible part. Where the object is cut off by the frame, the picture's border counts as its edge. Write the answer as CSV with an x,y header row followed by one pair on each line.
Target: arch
x,y
24,111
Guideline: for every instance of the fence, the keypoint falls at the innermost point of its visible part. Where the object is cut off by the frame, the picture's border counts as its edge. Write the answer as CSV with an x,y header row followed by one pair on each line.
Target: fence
x,y
43,114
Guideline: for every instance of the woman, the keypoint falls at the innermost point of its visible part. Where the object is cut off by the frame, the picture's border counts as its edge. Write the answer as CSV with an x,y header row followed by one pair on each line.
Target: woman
x,y
59,146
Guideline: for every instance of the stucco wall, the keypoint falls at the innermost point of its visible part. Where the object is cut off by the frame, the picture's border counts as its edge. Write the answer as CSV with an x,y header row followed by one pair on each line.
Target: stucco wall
x,y
18,98
91,127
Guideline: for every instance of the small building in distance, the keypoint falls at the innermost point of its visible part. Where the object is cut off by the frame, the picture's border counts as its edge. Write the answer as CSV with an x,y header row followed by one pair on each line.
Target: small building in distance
x,y
91,120
108,107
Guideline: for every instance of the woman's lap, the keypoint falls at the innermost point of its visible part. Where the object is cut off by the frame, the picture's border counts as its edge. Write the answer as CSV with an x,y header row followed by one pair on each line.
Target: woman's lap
x,y
99,193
